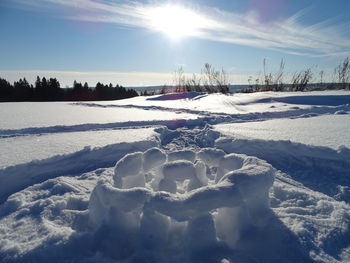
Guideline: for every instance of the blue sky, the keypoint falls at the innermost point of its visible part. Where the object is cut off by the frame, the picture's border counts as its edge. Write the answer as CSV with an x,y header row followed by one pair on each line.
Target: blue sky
x,y
132,43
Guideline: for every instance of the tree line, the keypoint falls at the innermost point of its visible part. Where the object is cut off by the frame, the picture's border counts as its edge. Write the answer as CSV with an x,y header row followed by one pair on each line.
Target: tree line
x,y
50,90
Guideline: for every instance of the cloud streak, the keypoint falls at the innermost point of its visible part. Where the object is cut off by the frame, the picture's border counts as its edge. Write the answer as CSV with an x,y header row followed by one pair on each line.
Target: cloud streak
x,y
287,35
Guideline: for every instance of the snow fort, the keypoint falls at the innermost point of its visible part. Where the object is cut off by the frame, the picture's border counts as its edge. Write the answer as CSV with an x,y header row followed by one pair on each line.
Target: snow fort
x,y
184,203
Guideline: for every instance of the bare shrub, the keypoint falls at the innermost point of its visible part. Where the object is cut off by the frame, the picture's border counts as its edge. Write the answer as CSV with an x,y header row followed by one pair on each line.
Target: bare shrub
x,y
342,72
210,80
301,79
273,82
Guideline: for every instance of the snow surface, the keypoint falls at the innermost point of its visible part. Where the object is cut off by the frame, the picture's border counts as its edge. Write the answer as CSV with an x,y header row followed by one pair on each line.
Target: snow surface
x,y
238,102
45,114
171,179
326,130
20,149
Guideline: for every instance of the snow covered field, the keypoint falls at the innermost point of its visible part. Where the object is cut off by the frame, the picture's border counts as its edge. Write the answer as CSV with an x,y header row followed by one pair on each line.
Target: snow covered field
x,y
325,130
19,149
261,177
22,115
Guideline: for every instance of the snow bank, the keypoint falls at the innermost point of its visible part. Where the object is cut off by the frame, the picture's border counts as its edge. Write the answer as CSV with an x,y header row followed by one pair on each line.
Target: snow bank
x,y
180,207
319,222
50,114
179,96
320,168
314,99
331,130
26,148
42,223
238,103
15,178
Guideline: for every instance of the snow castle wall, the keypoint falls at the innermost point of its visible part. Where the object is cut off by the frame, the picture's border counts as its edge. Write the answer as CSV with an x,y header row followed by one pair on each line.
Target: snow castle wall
x,y
183,200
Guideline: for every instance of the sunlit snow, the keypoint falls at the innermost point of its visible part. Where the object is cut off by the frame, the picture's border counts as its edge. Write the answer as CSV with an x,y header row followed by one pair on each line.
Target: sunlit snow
x,y
177,178
325,130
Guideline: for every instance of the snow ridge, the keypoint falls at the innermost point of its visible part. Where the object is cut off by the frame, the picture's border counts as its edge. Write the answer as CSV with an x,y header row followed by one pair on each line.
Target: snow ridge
x,y
16,178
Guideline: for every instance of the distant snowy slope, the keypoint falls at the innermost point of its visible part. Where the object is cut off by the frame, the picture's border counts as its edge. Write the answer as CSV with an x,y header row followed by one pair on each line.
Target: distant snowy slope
x,y
242,102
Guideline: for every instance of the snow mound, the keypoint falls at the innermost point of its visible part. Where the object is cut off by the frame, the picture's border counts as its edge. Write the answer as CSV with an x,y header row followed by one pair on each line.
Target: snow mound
x,y
329,100
179,96
321,169
16,178
179,205
320,223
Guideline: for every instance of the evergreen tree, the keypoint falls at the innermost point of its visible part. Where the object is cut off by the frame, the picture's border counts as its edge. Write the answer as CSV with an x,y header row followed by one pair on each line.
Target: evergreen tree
x,y
6,90
54,90
23,91
38,90
50,90
86,87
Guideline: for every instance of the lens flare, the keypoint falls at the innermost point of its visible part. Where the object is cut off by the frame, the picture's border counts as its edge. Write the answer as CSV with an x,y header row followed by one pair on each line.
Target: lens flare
x,y
175,21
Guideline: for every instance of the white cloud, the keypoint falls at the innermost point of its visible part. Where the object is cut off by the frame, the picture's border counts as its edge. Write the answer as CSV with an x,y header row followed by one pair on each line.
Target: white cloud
x,y
286,35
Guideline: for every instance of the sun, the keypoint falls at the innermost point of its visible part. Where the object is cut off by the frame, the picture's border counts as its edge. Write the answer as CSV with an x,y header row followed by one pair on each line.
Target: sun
x,y
175,21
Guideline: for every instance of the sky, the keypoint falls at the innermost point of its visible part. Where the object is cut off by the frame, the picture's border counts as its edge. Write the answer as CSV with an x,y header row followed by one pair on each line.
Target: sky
x,y
141,43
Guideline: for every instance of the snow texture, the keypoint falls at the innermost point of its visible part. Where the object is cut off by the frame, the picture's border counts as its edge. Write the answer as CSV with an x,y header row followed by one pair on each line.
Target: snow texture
x,y
182,200
193,188
325,130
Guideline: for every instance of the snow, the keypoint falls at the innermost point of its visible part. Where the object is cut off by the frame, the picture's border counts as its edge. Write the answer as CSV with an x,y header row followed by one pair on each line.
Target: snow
x,y
238,102
182,155
178,96
15,178
177,178
210,156
179,170
46,114
19,150
130,164
244,188
152,158
326,130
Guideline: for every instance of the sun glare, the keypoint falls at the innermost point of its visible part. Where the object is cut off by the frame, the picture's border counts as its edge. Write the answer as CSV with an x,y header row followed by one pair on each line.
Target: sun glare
x,y
175,21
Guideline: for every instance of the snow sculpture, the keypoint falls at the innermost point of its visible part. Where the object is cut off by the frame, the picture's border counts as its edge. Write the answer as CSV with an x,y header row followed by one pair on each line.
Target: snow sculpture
x,y
182,155
204,197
